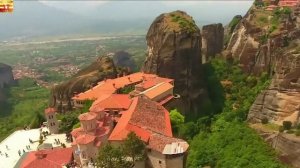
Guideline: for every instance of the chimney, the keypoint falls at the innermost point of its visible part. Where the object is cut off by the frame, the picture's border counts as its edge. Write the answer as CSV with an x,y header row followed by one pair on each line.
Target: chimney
x,y
40,155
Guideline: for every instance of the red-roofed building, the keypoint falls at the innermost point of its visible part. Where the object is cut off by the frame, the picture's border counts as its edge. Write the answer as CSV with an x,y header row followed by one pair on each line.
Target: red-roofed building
x,y
151,122
113,116
93,132
55,158
141,80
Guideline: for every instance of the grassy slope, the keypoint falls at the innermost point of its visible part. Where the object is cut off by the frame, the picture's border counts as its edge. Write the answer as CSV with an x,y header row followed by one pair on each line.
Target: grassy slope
x,y
226,141
25,106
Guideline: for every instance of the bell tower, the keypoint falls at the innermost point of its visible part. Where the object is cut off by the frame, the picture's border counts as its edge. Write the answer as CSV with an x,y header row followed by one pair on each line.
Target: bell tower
x,y
52,122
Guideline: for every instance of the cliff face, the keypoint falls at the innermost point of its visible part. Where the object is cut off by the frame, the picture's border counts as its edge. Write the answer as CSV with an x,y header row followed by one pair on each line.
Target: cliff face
x,y
6,75
287,144
212,41
102,68
174,51
123,59
263,47
281,101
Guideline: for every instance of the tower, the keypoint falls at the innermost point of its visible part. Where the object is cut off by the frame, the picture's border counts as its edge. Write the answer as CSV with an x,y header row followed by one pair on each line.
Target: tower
x,y
52,122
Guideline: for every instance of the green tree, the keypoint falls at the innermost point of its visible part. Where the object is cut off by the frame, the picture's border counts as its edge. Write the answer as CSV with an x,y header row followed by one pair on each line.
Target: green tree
x,y
177,119
111,157
287,125
134,147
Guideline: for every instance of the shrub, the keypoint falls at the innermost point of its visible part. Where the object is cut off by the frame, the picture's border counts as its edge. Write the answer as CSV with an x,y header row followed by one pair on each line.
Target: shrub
x,y
290,131
297,133
281,129
287,125
265,120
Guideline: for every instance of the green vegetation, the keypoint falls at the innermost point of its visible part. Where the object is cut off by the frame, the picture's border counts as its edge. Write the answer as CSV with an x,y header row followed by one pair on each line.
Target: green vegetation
x,y
58,61
24,107
70,120
287,125
177,120
184,22
126,90
133,149
224,139
111,157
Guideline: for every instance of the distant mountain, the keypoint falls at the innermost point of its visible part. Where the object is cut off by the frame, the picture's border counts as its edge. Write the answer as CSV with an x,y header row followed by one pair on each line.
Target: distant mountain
x,y
67,18
34,19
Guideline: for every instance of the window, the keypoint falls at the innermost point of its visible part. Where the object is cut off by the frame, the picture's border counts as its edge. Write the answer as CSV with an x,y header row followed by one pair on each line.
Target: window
x,y
159,161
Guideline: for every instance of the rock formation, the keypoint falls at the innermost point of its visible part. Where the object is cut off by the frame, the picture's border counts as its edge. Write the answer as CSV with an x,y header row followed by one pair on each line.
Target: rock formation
x,y
260,48
6,75
212,41
174,51
287,144
88,77
123,59
281,101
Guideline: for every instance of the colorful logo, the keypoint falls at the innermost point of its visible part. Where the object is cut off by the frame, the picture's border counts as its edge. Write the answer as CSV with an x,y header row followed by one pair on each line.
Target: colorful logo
x,y
6,6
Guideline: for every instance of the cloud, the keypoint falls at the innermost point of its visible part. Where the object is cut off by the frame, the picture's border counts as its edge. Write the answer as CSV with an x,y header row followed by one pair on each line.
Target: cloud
x,y
74,6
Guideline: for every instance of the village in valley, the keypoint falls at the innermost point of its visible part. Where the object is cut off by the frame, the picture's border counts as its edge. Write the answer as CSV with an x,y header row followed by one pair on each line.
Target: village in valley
x,y
183,96
113,115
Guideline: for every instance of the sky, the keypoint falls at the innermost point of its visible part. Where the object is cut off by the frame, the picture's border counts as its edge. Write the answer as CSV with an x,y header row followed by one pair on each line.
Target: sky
x,y
213,10
48,18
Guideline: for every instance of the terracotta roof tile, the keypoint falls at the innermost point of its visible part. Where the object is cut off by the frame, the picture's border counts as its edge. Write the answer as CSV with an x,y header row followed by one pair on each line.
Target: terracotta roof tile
x,y
165,144
85,139
110,86
50,110
143,117
55,158
114,101
77,131
158,90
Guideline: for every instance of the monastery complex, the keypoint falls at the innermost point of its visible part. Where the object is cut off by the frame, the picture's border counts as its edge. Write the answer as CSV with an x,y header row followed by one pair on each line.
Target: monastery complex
x,y
133,103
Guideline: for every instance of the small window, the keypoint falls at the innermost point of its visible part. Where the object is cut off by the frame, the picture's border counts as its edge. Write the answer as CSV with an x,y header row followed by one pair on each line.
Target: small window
x,y
159,161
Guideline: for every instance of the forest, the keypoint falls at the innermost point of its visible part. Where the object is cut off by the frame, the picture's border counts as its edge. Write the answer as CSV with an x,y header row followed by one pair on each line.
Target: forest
x,y
220,136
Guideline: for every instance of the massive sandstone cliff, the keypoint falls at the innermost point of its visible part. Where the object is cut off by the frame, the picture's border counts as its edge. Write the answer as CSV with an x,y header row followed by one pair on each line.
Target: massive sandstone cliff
x,y
212,41
88,77
267,42
174,51
6,79
6,75
260,50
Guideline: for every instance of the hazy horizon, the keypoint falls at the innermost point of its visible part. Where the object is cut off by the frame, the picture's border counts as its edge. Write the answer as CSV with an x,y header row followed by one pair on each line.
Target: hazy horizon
x,y
56,18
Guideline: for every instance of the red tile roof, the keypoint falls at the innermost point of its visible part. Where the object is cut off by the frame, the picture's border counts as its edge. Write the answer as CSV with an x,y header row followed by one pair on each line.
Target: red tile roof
x,y
76,132
160,143
110,86
151,81
85,139
158,90
87,116
114,101
55,158
143,117
50,110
